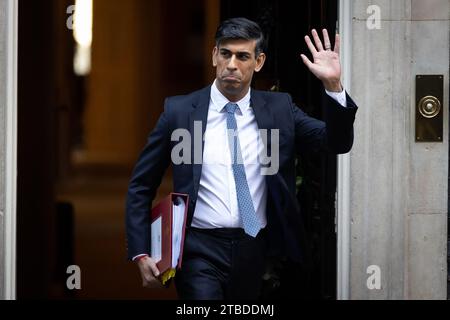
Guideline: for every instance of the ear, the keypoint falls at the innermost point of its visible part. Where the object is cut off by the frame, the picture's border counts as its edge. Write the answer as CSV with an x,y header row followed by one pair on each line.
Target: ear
x,y
260,62
214,56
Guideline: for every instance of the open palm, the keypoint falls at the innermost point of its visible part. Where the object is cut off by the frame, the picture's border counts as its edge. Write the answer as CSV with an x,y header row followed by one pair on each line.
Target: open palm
x,y
326,65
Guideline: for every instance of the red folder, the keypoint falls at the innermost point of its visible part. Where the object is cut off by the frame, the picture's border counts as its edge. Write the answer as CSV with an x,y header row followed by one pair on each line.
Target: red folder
x,y
162,220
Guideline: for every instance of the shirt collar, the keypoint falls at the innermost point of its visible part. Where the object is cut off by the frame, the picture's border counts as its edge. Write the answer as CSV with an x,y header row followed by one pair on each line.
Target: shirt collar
x,y
219,101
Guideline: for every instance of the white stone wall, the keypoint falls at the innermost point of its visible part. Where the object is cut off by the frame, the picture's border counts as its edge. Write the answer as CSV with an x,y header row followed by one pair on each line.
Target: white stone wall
x,y
427,209
398,187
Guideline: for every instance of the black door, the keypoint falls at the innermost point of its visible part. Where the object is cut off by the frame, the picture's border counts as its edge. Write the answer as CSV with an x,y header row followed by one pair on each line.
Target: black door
x,y
286,23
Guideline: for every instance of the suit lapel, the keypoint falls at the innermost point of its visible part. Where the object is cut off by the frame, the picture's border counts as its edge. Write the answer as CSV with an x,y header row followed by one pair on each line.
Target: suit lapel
x,y
198,114
263,115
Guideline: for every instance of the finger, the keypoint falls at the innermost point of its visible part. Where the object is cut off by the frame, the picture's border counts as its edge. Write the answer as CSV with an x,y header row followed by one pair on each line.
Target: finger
x,y
337,44
310,45
326,40
154,268
317,40
306,61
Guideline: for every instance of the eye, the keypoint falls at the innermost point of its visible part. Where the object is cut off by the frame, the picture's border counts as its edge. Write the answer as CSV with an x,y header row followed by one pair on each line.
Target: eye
x,y
225,54
243,56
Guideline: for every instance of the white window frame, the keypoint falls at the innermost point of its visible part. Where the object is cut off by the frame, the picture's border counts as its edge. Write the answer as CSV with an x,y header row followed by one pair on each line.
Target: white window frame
x,y
343,186
11,152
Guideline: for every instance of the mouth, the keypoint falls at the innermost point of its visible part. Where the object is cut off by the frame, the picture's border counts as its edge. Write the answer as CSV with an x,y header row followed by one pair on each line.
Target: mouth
x,y
231,79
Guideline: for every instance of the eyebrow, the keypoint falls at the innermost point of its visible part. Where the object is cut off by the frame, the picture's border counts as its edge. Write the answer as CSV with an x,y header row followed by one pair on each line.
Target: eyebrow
x,y
238,52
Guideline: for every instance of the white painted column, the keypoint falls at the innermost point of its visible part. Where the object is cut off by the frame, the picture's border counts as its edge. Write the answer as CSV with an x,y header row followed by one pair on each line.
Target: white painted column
x,y
8,146
343,187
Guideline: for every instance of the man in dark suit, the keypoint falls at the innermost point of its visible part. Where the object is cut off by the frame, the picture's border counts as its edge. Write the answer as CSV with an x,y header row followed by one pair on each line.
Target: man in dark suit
x,y
240,208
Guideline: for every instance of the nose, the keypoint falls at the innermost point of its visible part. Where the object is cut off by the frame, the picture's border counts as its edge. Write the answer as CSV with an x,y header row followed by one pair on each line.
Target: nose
x,y
232,63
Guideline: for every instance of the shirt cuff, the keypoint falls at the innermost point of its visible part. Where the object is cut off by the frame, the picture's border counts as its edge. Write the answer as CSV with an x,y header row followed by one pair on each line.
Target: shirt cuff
x,y
139,256
340,97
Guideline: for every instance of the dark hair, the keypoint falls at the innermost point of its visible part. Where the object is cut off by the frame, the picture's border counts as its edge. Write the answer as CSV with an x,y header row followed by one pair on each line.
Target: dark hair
x,y
241,28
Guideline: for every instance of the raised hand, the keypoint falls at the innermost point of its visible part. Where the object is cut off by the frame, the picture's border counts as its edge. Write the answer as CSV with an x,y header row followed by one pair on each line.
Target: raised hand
x,y
326,65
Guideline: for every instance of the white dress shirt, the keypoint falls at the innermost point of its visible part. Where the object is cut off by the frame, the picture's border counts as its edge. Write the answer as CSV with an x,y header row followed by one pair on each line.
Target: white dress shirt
x,y
217,205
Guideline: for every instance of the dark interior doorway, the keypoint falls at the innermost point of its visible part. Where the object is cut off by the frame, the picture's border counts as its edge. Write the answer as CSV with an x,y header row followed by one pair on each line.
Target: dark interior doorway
x,y
70,203
286,25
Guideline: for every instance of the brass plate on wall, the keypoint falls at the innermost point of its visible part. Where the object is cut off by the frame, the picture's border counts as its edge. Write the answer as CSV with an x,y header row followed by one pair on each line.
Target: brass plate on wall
x,y
429,108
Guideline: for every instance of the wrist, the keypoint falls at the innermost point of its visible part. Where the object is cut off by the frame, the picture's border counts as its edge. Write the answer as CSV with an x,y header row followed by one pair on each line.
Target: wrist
x,y
333,86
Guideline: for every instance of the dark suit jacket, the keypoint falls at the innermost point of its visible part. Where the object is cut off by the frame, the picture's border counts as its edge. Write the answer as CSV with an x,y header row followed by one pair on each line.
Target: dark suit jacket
x,y
298,133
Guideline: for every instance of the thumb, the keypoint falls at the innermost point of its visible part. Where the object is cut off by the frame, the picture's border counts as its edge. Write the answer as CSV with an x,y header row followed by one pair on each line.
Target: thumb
x,y
306,61
311,66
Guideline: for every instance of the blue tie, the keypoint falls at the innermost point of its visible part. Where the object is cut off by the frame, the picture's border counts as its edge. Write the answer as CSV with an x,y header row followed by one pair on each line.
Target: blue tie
x,y
245,203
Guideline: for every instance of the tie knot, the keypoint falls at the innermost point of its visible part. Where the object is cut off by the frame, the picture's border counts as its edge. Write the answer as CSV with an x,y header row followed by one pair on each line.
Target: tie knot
x,y
231,107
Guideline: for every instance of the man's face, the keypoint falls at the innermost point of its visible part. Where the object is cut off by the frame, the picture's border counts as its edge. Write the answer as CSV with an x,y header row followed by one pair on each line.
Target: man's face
x,y
235,63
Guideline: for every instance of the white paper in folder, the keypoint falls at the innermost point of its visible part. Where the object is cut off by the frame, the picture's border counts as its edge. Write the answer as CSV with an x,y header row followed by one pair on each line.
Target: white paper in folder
x,y
156,240
177,229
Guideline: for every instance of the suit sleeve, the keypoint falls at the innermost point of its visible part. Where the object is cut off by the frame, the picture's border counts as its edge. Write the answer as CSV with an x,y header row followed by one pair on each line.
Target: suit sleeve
x,y
145,180
334,134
